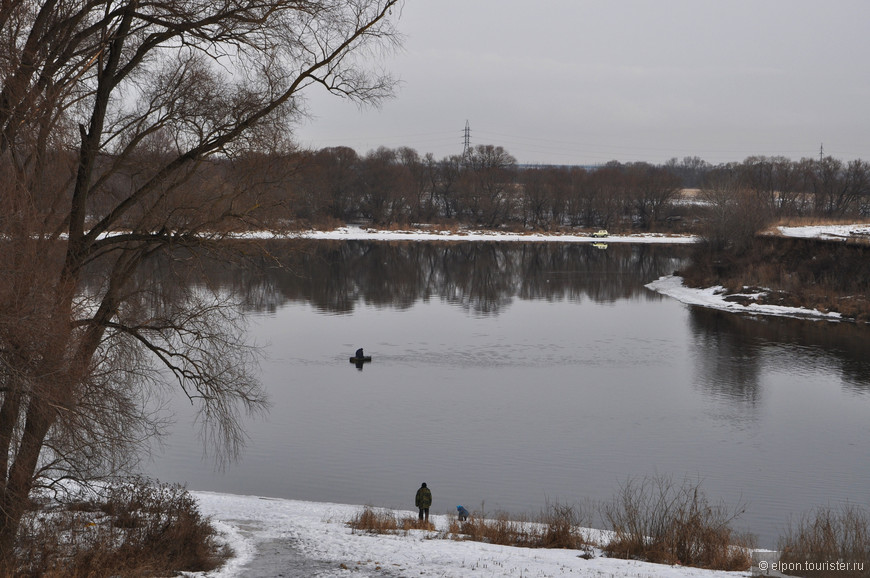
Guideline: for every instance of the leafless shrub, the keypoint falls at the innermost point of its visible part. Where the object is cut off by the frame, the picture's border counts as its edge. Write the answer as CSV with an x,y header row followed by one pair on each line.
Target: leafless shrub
x,y
379,521
374,521
136,529
657,520
500,530
559,526
562,527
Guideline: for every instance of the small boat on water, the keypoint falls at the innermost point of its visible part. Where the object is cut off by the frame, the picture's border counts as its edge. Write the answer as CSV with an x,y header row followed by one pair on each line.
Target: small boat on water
x,y
359,358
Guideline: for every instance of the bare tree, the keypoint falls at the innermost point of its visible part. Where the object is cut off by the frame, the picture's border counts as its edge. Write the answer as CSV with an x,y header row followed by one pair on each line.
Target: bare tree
x,y
328,184
736,213
536,196
837,188
445,176
581,198
419,182
487,185
653,189
607,194
115,116
387,188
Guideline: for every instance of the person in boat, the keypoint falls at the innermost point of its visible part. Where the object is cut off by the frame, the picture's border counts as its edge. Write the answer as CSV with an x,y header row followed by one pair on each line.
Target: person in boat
x,y
462,512
359,353
423,500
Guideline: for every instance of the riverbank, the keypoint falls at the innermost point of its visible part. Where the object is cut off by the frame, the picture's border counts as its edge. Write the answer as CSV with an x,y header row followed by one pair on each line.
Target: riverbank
x,y
276,537
431,233
746,301
811,271
814,271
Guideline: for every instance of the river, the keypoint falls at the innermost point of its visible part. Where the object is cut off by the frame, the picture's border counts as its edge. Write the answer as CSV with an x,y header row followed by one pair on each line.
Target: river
x,y
509,375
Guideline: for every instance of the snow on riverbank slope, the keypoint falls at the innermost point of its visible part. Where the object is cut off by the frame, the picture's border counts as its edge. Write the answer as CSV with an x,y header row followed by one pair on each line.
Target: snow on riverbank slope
x,y
356,233
427,233
826,231
317,533
714,297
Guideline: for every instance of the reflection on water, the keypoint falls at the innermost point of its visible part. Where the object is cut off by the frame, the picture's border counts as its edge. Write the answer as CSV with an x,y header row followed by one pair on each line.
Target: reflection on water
x,y
337,277
735,349
514,374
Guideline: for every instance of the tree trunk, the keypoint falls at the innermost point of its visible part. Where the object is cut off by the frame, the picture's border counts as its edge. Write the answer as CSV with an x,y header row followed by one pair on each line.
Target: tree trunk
x,y
15,498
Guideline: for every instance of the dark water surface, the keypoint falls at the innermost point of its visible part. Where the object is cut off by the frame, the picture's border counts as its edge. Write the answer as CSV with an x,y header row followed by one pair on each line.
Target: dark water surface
x,y
511,375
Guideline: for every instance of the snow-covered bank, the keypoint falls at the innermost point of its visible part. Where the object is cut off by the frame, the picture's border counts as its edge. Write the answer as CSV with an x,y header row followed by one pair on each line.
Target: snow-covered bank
x,y
319,534
714,297
826,231
356,233
717,297
431,233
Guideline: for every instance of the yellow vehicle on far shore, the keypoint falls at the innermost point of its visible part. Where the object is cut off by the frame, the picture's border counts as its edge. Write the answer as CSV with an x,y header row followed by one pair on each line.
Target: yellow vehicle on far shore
x,y
600,233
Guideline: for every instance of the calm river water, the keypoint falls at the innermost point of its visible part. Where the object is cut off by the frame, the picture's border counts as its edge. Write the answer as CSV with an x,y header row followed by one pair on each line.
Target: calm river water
x,y
509,375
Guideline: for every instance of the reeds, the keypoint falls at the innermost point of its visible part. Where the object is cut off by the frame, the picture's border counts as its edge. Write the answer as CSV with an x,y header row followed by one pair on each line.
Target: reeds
x,y
828,536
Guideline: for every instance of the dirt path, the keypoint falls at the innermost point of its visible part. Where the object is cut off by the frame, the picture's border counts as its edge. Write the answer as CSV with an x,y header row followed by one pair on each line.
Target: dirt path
x,y
282,558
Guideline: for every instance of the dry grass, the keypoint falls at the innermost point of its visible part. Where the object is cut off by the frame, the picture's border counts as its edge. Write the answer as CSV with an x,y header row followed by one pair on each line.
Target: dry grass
x,y
137,529
657,520
379,521
500,530
562,527
652,519
558,527
830,535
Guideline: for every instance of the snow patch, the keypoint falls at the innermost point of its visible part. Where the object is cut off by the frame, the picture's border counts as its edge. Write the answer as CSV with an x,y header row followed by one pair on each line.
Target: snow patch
x,y
714,297
319,531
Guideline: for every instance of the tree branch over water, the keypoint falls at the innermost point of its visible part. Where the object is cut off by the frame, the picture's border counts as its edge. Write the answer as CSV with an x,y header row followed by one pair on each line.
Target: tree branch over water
x,y
121,117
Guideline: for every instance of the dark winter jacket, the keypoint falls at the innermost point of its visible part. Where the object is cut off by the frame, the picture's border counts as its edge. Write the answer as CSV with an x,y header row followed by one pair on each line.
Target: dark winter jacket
x,y
424,498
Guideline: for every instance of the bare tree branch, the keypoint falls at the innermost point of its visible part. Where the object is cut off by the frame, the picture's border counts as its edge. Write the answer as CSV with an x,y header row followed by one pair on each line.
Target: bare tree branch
x,y
119,120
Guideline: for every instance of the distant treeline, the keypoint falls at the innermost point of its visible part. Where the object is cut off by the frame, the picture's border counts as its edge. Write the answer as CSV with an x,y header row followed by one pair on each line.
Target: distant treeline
x,y
487,188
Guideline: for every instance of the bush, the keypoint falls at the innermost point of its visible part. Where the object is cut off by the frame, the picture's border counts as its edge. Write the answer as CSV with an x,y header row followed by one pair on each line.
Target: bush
x,y
657,520
829,535
135,528
561,525
557,527
500,530
385,522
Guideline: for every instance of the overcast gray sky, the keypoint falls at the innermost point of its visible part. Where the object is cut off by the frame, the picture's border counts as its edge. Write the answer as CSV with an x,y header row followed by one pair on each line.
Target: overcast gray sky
x,y
588,81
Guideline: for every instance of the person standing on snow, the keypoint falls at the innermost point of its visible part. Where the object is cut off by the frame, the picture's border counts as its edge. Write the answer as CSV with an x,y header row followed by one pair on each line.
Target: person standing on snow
x,y
423,500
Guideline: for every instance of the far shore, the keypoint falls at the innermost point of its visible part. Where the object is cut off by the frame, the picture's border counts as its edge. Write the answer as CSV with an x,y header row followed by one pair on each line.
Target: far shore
x,y
431,233
671,286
